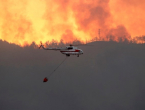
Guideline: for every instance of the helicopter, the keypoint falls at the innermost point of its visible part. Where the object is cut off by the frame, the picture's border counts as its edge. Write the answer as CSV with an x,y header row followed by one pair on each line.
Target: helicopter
x,y
68,50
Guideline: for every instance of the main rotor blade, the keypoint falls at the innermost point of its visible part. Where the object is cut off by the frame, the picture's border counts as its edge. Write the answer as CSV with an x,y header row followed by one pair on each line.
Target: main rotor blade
x,y
80,45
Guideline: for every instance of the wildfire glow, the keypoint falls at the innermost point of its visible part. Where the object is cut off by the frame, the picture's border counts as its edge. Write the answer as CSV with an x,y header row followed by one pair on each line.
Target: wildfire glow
x,y
25,21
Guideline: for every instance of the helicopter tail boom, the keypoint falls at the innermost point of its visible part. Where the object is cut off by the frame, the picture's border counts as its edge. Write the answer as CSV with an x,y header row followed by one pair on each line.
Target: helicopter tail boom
x,y
42,46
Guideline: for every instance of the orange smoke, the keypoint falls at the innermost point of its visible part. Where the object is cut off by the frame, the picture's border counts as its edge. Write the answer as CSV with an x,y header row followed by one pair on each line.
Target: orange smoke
x,y
25,21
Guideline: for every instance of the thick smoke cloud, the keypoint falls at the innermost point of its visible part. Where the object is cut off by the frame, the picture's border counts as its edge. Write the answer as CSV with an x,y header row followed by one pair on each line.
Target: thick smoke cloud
x,y
120,32
89,16
96,15
92,15
130,14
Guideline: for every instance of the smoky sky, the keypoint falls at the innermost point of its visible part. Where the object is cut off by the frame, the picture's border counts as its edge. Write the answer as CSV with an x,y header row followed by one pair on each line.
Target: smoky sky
x,y
108,76
23,22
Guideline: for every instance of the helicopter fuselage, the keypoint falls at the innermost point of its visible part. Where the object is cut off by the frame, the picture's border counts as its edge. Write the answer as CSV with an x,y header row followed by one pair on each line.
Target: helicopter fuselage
x,y
68,50
71,51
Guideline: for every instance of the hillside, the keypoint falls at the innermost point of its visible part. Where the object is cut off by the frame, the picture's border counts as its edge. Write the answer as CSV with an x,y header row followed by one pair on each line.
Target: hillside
x,y
108,76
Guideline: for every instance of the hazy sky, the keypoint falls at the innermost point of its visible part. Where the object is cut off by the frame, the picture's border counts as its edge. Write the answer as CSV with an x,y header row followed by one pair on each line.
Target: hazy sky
x,y
108,76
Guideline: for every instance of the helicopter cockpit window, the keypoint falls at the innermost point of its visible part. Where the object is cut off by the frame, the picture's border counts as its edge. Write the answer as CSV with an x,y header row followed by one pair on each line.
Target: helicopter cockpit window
x,y
70,48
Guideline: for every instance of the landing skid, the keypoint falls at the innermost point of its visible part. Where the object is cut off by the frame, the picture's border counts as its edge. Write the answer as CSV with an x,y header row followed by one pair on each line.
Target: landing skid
x,y
67,55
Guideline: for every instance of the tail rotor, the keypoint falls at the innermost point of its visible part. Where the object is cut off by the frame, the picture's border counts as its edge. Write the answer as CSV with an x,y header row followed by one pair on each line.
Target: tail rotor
x,y
40,45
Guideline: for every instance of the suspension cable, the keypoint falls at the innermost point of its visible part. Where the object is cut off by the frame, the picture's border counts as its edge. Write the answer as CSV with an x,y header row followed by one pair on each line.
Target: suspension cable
x,y
57,67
